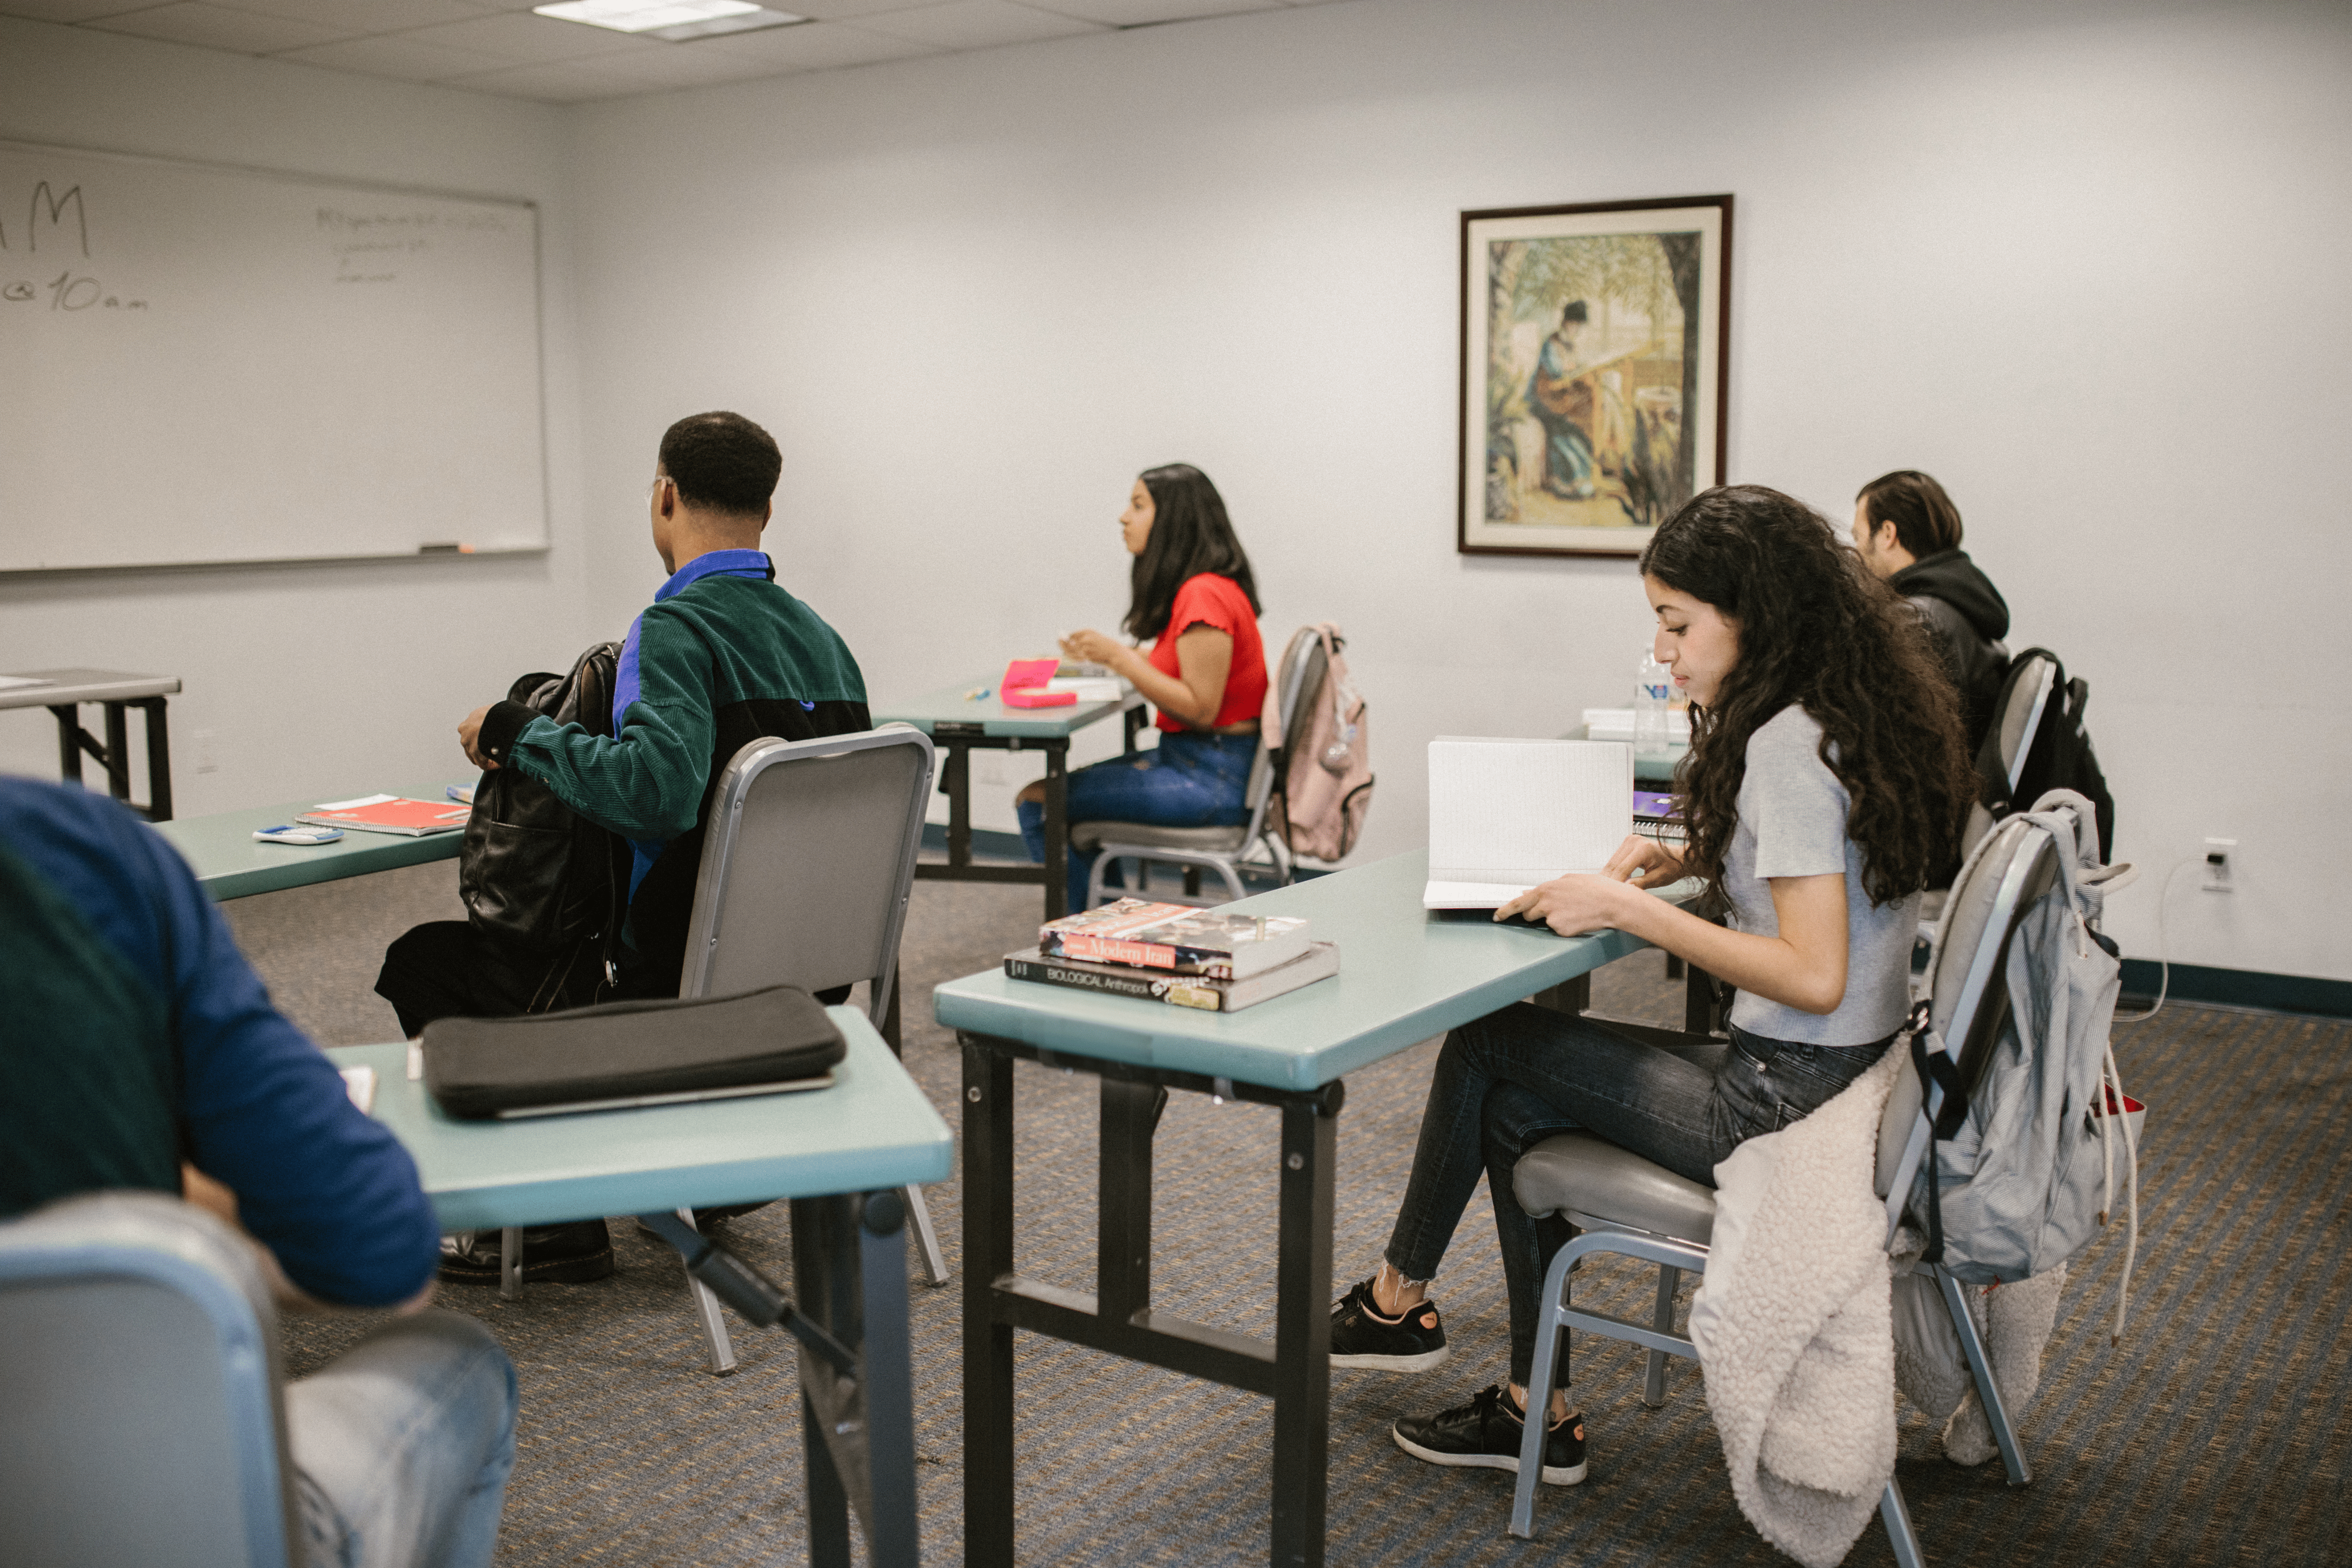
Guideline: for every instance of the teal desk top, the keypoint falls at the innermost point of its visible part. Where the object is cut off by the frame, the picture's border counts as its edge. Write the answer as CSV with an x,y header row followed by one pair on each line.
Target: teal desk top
x,y
872,1130
1405,975
230,863
950,705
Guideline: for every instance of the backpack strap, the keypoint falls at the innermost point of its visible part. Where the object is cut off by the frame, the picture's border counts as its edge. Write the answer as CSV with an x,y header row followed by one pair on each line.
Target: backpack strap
x,y
1936,1070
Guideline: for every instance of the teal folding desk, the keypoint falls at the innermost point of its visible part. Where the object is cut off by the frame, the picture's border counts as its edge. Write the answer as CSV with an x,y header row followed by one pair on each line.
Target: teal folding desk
x,y
840,1154
960,722
229,863
1405,975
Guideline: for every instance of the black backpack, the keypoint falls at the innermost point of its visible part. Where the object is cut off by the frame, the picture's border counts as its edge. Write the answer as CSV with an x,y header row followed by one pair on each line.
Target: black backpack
x,y
2057,753
538,879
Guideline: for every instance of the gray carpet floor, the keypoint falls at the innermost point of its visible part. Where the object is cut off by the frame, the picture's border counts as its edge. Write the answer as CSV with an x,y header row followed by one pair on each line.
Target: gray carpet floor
x,y
2215,1433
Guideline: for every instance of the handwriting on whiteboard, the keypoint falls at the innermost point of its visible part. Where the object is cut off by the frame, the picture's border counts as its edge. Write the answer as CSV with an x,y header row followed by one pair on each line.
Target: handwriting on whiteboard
x,y
58,221
58,216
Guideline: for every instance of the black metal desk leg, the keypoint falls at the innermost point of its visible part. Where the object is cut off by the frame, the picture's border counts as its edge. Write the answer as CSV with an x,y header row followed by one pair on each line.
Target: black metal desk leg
x,y
1302,1336
828,1503
68,718
987,1343
159,761
1698,1001
849,1269
893,1537
1057,829
118,751
959,805
1131,1113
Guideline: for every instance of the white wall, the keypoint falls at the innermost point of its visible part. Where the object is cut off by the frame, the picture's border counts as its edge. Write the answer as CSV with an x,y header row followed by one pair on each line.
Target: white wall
x,y
319,681
2082,261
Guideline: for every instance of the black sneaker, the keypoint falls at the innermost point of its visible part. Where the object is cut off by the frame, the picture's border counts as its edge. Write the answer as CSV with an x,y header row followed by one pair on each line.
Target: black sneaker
x,y
1365,1337
1484,1433
551,1254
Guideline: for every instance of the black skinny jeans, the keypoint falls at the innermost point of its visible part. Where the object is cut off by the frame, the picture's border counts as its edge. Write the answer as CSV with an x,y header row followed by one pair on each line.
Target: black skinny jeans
x,y
1515,1078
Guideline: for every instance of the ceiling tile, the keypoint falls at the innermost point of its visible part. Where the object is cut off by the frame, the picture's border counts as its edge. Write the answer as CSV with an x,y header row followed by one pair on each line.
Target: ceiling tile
x,y
217,27
974,25
845,10
816,46
361,18
566,81
396,57
70,10
1142,13
531,40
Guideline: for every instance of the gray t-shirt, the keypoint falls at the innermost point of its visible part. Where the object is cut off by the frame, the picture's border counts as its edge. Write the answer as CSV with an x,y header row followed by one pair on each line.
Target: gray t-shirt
x,y
1792,813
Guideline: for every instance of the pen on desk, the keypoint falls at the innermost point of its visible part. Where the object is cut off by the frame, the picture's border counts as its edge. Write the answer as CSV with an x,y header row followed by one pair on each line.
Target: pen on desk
x,y
975,694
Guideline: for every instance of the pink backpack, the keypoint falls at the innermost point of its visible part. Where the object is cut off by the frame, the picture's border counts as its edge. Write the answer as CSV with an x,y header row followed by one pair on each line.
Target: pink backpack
x,y
1324,790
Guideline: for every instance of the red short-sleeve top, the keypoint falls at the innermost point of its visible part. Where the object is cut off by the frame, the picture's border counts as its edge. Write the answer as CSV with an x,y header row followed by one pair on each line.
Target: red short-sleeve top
x,y
1209,600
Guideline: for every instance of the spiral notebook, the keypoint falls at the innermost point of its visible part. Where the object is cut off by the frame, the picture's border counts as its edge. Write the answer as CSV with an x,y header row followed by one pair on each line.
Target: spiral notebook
x,y
1505,815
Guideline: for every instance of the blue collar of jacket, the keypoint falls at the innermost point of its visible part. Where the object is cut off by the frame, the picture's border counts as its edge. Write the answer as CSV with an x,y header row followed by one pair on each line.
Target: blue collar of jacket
x,y
712,562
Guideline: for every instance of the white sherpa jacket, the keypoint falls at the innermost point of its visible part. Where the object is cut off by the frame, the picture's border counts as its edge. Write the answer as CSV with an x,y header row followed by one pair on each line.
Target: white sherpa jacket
x,y
1793,1325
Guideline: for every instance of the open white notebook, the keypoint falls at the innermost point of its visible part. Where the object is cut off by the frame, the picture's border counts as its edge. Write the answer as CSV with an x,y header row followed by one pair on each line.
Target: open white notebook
x,y
1507,815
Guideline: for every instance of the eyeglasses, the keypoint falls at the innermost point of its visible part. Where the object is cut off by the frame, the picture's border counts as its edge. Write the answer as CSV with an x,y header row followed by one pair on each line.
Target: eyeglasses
x,y
655,487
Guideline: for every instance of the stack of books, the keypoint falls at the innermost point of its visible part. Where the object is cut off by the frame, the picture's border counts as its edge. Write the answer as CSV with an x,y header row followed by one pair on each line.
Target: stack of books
x,y
1174,953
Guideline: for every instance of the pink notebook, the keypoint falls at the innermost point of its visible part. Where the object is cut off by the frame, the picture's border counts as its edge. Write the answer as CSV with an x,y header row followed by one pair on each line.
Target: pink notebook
x,y
1023,685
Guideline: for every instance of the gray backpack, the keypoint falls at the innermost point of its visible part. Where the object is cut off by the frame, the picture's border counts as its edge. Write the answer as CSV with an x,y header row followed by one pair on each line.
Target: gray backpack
x,y
2027,1161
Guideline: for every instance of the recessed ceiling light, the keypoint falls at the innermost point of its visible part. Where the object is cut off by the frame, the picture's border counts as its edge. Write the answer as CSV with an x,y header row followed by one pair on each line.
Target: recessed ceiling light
x,y
676,20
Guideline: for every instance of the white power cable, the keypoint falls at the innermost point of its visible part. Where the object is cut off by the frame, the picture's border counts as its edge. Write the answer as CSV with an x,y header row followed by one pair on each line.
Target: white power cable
x,y
2163,945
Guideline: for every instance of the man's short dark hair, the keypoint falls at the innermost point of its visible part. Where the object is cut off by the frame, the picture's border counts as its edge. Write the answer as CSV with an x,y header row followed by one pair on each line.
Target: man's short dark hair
x,y
1926,521
722,462
1573,311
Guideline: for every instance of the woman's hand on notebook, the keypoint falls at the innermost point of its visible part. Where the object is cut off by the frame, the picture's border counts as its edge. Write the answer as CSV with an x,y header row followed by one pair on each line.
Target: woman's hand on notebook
x,y
1570,905
1644,862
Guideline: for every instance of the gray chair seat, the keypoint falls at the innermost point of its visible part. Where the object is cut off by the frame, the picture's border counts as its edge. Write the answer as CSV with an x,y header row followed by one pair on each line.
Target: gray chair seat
x,y
1095,835
1591,1178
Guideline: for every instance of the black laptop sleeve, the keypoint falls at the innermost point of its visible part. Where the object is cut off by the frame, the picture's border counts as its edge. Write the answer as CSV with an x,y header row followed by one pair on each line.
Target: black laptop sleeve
x,y
479,1066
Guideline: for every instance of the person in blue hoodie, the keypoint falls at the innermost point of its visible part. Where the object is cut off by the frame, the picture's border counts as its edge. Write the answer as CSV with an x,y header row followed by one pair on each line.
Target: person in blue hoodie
x,y
140,1051
1908,532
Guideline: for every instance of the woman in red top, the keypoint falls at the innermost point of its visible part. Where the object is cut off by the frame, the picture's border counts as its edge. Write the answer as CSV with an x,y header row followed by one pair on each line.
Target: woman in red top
x,y
1192,595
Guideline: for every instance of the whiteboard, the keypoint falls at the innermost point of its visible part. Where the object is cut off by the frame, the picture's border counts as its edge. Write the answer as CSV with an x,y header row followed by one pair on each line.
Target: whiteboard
x,y
207,365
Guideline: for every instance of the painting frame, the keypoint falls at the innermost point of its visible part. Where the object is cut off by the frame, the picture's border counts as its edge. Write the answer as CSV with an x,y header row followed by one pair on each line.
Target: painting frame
x,y
1561,488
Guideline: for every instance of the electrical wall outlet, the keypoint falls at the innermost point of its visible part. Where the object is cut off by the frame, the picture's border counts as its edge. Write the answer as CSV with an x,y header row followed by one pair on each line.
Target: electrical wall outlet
x,y
2219,853
207,752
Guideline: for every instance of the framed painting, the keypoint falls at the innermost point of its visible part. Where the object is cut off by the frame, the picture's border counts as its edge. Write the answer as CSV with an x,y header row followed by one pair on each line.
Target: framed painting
x,y
1593,372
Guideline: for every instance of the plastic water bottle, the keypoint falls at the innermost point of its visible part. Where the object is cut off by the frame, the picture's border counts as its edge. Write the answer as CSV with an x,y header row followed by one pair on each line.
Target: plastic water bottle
x,y
1654,697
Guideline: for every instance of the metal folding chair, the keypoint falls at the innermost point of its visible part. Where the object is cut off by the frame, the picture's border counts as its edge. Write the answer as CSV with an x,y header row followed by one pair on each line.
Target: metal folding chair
x,y
1219,849
807,860
1629,1206
141,1419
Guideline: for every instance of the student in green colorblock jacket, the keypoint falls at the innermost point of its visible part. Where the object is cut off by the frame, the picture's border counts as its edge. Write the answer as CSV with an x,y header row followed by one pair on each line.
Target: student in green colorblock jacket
x,y
723,656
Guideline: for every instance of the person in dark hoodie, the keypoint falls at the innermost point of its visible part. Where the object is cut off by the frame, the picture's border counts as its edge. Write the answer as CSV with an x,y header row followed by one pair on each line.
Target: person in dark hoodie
x,y
1907,532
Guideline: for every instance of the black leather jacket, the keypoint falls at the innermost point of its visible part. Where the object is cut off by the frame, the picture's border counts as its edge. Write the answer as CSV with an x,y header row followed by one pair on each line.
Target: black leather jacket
x,y
1966,617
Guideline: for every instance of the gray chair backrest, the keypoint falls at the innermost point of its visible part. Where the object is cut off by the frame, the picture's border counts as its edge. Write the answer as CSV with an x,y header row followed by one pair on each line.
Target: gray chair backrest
x,y
806,863
1967,996
139,1419
1299,679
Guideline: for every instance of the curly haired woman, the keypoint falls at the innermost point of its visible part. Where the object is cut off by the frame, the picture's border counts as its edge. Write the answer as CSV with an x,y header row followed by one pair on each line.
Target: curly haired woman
x,y
1826,783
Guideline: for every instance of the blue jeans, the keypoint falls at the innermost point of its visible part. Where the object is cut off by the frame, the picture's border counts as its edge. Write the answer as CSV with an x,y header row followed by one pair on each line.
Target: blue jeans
x,y
402,1446
1194,780
1515,1078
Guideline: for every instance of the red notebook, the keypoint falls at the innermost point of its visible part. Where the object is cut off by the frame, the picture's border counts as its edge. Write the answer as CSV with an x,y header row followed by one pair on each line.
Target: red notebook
x,y
390,814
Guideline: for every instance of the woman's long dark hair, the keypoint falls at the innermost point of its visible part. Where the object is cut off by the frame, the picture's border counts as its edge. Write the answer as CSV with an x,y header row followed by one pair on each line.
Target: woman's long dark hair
x,y
1190,534
1817,629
